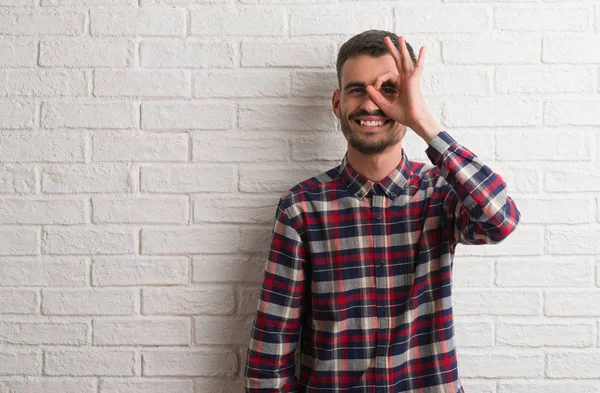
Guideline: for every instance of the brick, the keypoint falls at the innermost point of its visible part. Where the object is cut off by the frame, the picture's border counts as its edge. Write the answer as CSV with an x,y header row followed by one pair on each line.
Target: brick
x,y
228,268
44,333
84,240
546,272
47,22
479,385
138,21
217,385
496,364
90,115
211,330
472,272
20,211
43,271
581,49
125,271
145,83
272,180
544,334
17,240
189,362
145,146
572,241
225,146
87,52
573,365
248,298
189,53
469,333
93,178
37,147
527,241
184,239
456,81
566,303
548,386
186,116
545,144
546,79
21,179
92,362
313,83
16,114
18,301
238,20
225,83
288,54
188,178
491,51
17,3
18,52
187,301
579,177
89,2
256,239
565,210
438,18
319,147
235,209
541,18
46,83
500,111
338,19
259,116
137,385
44,385
145,210
88,302
19,362
173,331
497,302
572,112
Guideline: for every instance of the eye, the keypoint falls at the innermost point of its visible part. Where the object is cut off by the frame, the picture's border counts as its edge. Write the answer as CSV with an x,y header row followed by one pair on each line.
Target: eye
x,y
388,90
355,89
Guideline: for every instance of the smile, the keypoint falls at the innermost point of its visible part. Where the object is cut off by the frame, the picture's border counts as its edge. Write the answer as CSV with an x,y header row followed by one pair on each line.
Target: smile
x,y
371,124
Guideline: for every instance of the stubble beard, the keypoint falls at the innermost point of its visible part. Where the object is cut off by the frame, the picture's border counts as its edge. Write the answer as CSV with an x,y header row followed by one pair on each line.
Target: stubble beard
x,y
370,144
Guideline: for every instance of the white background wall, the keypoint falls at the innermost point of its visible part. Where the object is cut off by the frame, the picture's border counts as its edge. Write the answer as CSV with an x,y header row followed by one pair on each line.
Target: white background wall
x,y
143,148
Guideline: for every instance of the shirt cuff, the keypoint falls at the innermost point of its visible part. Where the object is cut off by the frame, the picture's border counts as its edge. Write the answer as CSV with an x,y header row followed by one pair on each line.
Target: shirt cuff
x,y
438,146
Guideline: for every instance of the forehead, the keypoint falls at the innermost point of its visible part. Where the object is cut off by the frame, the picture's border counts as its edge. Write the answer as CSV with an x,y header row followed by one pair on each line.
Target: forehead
x,y
365,68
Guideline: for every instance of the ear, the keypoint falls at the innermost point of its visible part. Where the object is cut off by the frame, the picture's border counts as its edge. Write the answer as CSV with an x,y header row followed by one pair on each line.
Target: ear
x,y
335,103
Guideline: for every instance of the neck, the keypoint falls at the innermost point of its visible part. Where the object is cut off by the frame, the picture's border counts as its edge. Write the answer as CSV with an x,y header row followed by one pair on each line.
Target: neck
x,y
377,166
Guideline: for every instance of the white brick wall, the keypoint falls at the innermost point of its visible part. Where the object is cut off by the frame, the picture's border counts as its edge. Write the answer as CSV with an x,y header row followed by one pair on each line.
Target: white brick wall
x,y
144,144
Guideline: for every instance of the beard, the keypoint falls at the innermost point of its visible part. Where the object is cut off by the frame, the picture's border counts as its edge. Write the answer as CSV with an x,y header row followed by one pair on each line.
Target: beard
x,y
371,143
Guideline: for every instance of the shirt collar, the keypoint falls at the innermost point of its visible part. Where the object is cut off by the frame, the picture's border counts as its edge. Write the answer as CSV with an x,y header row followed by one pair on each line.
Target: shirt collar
x,y
360,186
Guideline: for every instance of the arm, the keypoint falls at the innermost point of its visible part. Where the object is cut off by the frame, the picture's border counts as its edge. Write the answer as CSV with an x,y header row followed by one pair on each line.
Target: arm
x,y
276,328
476,205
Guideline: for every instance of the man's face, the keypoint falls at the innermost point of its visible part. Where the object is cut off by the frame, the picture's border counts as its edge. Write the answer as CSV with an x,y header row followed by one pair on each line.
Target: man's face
x,y
353,104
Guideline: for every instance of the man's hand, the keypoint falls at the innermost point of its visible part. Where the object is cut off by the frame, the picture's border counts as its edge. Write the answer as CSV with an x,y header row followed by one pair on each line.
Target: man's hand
x,y
408,107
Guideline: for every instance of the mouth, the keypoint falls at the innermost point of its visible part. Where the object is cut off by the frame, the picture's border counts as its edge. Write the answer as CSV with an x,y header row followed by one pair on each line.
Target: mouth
x,y
372,125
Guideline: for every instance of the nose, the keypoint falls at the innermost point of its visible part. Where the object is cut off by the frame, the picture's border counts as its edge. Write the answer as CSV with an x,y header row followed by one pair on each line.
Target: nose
x,y
368,104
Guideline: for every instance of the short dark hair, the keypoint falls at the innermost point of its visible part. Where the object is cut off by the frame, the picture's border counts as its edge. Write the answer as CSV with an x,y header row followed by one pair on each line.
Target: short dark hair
x,y
371,43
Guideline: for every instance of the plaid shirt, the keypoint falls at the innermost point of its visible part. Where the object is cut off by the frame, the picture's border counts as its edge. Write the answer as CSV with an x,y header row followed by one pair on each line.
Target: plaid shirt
x,y
361,272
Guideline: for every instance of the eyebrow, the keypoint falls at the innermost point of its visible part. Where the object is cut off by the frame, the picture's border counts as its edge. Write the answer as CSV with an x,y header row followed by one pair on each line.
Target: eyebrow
x,y
363,85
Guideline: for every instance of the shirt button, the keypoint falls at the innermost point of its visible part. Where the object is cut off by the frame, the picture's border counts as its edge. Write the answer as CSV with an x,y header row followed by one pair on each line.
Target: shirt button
x,y
381,351
392,194
379,217
382,310
382,263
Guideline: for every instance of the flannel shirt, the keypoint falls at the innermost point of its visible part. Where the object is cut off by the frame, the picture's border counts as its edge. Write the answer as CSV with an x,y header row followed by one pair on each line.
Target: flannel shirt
x,y
359,273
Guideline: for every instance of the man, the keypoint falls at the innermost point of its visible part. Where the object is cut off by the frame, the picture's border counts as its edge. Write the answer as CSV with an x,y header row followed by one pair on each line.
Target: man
x,y
360,264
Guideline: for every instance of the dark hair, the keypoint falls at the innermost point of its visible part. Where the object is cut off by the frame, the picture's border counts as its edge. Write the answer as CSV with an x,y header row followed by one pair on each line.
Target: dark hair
x,y
371,43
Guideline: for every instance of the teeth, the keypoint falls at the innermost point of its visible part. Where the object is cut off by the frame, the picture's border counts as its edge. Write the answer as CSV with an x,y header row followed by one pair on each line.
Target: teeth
x,y
371,123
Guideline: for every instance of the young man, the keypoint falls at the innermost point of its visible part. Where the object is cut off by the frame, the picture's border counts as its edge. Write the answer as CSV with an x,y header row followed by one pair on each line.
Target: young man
x,y
360,264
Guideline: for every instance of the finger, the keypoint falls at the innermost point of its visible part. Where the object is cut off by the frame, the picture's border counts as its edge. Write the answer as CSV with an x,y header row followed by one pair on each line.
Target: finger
x,y
420,60
395,54
388,76
406,60
378,99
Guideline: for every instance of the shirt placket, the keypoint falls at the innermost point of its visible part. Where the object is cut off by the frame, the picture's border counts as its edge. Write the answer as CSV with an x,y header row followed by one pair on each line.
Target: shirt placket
x,y
378,217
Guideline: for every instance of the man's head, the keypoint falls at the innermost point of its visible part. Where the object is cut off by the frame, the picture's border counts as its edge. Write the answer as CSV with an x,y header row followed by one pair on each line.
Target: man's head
x,y
360,61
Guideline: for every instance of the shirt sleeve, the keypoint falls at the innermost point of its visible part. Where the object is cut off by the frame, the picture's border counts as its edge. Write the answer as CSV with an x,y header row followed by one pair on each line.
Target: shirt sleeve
x,y
477,207
276,327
